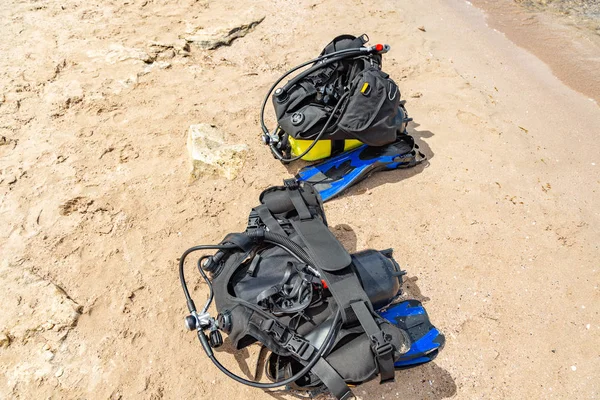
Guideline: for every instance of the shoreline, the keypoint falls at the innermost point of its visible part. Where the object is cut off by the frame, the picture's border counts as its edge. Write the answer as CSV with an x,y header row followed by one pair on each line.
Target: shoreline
x,y
571,52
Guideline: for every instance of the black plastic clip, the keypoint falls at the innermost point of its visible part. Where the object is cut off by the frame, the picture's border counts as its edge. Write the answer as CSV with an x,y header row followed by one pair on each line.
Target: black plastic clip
x,y
300,347
253,220
295,344
381,344
291,183
271,326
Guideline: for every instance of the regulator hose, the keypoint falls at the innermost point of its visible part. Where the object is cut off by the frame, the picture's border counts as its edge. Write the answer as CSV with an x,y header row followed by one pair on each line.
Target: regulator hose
x,y
280,157
344,53
322,61
292,248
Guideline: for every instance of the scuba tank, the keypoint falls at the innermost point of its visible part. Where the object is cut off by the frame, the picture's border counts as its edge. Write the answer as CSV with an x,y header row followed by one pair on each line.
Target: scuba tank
x,y
342,101
287,283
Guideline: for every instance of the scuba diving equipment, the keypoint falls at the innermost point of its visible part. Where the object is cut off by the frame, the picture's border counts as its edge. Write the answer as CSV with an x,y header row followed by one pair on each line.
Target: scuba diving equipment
x,y
410,316
342,100
331,177
426,340
288,283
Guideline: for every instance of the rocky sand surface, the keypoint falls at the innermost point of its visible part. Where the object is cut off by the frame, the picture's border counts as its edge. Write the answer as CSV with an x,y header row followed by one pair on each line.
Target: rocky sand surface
x,y
498,231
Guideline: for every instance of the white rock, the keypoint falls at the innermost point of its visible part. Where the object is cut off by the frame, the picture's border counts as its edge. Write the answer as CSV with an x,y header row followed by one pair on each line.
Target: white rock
x,y
48,355
118,52
211,38
210,154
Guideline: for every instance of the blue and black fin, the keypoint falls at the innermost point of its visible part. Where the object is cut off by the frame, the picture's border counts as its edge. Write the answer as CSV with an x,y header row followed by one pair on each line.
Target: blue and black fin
x,y
333,176
426,340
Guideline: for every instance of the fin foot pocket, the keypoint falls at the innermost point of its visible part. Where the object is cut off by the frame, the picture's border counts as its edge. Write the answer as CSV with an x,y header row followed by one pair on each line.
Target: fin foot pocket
x,y
426,340
331,177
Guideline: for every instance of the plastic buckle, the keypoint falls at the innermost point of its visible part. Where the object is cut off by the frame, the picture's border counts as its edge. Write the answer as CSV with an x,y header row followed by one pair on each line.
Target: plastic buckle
x,y
300,347
276,329
291,183
253,220
380,345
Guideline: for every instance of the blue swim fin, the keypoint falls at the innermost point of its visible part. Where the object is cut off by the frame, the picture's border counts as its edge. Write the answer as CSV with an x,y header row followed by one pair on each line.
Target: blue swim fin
x,y
426,340
334,175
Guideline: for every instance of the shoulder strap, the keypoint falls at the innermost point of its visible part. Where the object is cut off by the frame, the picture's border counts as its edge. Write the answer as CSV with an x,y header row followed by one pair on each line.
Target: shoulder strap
x,y
267,218
380,345
334,265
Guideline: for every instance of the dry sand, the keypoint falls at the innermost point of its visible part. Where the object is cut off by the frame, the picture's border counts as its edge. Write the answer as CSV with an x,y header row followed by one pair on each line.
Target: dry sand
x,y
499,232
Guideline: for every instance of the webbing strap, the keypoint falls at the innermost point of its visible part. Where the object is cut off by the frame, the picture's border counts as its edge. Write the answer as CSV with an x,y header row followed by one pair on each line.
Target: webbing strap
x,y
267,218
299,204
337,147
284,337
380,344
332,380
322,246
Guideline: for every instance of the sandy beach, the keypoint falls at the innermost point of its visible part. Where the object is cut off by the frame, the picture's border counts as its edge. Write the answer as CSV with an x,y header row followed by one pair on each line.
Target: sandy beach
x,y
498,231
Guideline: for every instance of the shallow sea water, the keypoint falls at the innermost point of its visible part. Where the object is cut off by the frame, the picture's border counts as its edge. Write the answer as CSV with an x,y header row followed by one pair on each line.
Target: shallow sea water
x,y
586,11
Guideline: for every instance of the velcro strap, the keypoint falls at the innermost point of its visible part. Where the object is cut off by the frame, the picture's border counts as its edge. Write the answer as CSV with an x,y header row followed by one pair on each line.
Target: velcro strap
x,y
333,263
299,204
380,343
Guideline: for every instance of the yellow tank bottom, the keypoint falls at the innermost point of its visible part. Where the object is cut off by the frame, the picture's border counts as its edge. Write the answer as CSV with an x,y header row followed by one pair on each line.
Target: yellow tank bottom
x,y
321,150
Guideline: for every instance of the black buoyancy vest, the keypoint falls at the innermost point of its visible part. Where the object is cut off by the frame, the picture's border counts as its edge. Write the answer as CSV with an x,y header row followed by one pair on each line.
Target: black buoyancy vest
x,y
369,108
286,304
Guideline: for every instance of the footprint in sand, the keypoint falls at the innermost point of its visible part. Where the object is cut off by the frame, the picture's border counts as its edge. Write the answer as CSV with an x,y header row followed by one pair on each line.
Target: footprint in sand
x,y
468,118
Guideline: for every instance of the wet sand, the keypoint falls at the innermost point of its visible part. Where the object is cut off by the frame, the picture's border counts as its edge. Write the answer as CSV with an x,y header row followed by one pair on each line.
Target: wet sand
x,y
569,44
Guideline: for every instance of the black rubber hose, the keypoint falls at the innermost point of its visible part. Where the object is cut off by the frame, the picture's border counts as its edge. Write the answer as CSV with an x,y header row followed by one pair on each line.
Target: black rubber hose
x,y
317,138
286,242
211,294
297,67
188,298
315,358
